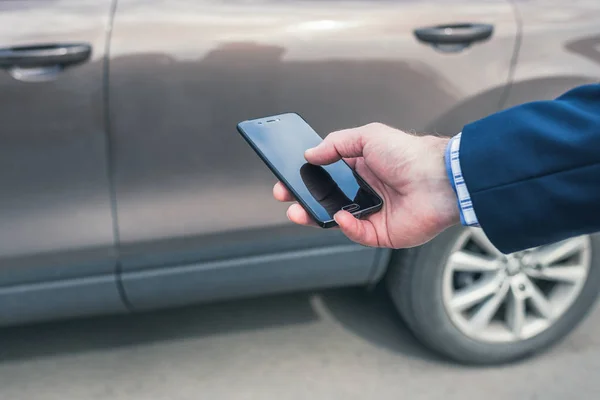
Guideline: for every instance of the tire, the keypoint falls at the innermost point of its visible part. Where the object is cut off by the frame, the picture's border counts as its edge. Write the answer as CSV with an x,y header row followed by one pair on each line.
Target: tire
x,y
415,282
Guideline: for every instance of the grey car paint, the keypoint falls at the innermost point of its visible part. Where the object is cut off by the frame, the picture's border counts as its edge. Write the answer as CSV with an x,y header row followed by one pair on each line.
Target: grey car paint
x,y
124,176
182,73
560,48
57,248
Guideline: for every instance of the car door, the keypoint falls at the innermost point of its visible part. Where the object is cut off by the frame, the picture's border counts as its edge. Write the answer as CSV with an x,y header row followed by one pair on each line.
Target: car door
x,y
559,50
57,251
196,216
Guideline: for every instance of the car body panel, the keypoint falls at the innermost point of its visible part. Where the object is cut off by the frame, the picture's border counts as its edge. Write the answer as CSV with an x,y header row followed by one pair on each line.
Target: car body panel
x,y
308,269
559,49
55,207
190,192
60,299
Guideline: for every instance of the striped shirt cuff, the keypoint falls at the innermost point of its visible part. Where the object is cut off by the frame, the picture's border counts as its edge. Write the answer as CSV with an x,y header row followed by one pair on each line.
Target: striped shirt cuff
x,y
465,206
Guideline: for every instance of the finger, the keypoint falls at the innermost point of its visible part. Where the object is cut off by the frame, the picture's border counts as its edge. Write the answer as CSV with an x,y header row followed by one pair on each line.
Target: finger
x,y
361,169
359,231
298,215
351,162
348,143
281,193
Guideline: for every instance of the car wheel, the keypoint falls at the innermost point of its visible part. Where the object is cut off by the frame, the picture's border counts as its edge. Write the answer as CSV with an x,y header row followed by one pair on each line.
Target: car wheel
x,y
464,299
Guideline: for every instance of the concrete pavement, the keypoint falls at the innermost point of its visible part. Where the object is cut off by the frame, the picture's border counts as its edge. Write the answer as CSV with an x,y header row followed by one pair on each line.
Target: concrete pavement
x,y
336,344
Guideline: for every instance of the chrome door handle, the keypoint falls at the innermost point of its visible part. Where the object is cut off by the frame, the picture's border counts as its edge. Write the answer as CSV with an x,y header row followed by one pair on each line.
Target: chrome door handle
x,y
45,55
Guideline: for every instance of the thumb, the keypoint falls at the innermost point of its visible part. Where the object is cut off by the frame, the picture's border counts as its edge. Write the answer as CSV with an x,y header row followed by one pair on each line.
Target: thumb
x,y
348,143
357,230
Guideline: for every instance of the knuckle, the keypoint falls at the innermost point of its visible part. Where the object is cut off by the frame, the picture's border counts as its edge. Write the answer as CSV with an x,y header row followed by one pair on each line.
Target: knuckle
x,y
376,126
334,136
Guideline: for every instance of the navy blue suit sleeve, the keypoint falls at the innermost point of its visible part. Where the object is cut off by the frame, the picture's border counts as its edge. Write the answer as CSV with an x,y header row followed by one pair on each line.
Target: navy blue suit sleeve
x,y
533,171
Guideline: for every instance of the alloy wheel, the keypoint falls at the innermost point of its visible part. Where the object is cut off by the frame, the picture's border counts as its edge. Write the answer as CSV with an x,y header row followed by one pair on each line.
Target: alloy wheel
x,y
493,297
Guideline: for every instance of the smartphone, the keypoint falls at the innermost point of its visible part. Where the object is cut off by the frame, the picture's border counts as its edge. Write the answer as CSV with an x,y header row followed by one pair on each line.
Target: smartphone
x,y
280,141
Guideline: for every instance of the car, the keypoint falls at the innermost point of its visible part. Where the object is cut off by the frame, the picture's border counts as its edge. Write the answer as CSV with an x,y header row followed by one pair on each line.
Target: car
x,y
125,187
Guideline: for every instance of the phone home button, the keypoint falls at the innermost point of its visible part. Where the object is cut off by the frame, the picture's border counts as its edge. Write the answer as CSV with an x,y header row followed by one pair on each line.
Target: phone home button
x,y
351,207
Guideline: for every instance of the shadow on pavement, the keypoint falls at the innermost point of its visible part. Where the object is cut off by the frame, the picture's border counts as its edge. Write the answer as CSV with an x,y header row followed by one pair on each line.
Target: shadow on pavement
x,y
372,316
369,315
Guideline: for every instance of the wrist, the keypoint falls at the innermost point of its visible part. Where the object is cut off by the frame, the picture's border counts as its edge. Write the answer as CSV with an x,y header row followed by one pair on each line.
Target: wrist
x,y
446,204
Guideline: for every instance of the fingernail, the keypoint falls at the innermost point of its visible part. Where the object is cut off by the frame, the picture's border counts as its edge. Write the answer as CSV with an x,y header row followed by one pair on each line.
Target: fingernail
x,y
308,152
336,216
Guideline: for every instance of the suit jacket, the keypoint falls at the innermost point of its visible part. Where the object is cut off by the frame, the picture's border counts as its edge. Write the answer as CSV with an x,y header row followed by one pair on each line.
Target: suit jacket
x,y
533,171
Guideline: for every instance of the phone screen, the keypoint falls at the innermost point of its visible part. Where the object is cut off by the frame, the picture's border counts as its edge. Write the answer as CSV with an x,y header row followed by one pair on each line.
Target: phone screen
x,y
281,141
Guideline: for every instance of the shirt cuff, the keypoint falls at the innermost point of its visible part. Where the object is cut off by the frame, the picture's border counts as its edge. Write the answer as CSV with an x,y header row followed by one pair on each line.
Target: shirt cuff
x,y
465,206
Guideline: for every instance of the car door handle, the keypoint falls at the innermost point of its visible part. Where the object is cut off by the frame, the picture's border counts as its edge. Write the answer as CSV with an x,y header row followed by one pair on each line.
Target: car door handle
x,y
454,34
45,55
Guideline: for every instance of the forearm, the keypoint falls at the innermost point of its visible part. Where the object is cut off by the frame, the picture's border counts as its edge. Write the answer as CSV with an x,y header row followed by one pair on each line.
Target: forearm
x,y
533,171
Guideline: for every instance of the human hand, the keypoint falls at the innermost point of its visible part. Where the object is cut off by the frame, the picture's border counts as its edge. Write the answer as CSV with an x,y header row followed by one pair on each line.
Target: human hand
x,y
407,171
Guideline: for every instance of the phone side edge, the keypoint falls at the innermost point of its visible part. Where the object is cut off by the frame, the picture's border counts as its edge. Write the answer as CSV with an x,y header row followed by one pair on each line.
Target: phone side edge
x,y
370,210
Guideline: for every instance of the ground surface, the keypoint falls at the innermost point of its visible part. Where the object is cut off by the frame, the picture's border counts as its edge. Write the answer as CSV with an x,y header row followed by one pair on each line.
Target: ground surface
x,y
337,344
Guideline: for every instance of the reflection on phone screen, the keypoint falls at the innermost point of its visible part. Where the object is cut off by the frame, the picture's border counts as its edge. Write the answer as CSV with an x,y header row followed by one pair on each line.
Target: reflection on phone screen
x,y
323,188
